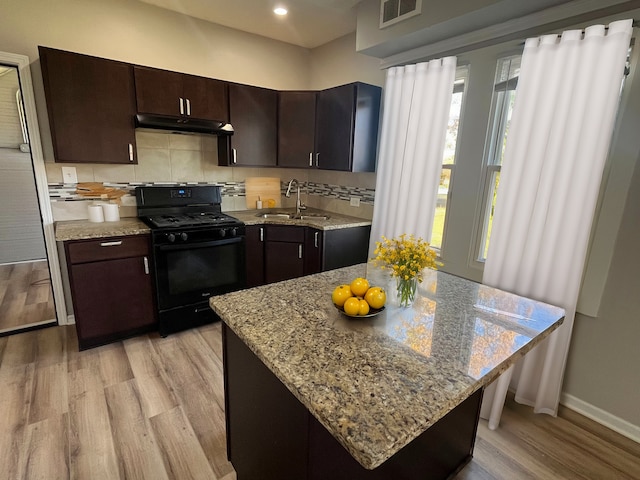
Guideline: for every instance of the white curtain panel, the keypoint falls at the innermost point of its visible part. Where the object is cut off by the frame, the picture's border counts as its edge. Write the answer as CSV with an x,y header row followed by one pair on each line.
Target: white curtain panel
x,y
561,128
414,127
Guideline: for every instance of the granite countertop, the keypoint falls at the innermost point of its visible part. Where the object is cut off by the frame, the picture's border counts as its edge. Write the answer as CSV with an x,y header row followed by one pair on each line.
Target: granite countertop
x,y
334,222
84,229
378,383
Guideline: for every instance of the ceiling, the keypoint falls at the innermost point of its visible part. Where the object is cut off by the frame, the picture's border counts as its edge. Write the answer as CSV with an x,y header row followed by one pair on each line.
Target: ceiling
x,y
309,23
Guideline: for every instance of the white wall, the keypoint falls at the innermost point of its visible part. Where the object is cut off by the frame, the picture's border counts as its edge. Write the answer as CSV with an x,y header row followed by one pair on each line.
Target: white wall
x,y
602,368
140,33
441,19
143,34
337,63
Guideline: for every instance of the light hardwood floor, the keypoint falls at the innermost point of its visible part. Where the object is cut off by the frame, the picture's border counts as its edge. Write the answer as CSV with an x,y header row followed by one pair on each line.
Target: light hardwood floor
x,y
153,408
26,297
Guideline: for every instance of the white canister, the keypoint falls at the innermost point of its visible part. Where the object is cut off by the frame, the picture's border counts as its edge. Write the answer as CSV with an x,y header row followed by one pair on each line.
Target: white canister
x,y
111,212
96,214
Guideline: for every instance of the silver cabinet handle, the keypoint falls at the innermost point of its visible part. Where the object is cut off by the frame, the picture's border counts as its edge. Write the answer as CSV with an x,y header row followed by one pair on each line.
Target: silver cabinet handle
x,y
300,251
111,244
131,152
311,159
315,239
188,107
261,234
235,155
181,106
317,159
146,265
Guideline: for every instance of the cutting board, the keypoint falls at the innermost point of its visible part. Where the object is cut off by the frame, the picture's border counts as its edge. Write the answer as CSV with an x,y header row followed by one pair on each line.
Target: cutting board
x,y
263,188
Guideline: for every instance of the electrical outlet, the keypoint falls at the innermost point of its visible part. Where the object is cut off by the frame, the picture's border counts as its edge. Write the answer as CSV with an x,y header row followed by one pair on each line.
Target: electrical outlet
x,y
355,201
69,175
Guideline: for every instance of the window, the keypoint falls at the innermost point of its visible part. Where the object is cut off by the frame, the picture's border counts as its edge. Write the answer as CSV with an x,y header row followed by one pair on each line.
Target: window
x,y
448,160
504,93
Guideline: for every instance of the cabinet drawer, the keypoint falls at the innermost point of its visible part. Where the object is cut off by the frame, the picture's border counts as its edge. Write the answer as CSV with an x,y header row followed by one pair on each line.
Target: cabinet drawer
x,y
83,251
283,233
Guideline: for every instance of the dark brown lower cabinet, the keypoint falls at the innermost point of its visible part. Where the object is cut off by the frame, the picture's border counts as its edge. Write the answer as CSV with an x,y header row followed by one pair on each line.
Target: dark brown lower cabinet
x,y
112,288
254,244
313,242
271,434
282,252
345,246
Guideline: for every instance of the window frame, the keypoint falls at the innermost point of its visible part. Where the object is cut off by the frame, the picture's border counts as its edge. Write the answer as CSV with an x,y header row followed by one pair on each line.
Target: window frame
x,y
462,74
491,167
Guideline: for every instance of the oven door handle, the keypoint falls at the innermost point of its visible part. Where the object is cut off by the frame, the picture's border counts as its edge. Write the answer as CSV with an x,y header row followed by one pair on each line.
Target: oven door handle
x,y
213,243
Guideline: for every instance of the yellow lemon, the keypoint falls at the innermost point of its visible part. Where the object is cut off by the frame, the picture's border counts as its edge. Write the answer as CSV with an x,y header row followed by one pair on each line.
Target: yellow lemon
x,y
375,297
359,286
340,294
352,306
363,307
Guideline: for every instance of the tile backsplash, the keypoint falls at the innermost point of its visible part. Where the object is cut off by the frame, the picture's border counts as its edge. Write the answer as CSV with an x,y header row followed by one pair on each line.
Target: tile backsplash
x,y
169,158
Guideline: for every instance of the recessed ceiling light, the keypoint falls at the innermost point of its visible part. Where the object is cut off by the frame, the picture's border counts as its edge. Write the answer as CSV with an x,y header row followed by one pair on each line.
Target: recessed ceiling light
x,y
280,11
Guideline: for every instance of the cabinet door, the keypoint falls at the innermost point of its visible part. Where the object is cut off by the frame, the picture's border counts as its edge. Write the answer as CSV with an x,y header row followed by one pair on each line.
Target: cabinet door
x,y
206,97
313,251
91,106
345,246
253,114
158,91
283,260
347,127
296,129
111,299
334,127
254,241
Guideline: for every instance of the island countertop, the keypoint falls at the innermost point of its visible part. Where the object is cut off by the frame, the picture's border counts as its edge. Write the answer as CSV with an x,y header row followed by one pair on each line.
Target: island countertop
x,y
377,383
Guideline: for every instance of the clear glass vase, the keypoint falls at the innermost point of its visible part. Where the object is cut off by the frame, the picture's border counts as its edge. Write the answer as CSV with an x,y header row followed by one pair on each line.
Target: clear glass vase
x,y
406,290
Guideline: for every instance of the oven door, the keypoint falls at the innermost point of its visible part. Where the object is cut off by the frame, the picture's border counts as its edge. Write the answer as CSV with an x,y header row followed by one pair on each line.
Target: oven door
x,y
188,274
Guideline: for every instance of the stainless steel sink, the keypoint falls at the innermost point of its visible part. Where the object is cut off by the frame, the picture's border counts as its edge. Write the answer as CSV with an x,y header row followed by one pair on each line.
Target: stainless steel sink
x,y
313,216
293,216
275,215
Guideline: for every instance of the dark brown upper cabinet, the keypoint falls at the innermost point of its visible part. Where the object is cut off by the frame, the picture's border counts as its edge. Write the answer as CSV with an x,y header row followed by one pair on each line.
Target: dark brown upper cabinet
x,y
91,105
347,127
177,94
296,129
253,112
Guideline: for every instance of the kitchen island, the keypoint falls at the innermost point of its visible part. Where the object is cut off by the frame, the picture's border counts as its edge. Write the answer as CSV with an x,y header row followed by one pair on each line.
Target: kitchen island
x,y
311,393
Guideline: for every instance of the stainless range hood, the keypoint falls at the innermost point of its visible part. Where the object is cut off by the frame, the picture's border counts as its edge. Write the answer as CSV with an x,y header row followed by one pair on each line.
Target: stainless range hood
x,y
182,124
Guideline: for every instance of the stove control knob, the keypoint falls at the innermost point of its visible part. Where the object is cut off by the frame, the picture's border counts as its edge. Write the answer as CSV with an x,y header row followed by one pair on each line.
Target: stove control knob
x,y
223,233
233,231
171,237
184,236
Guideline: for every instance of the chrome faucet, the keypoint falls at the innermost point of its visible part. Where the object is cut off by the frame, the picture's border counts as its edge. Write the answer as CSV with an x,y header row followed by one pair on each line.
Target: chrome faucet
x,y
299,205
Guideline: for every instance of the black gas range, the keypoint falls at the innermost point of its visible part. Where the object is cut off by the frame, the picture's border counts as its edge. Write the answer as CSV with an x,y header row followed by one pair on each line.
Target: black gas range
x,y
198,251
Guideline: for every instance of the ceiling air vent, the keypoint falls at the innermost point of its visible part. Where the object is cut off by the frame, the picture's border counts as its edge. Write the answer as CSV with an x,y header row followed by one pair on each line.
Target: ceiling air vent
x,y
394,11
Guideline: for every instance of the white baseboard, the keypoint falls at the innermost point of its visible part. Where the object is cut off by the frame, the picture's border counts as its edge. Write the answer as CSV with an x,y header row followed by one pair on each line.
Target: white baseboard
x,y
71,319
603,417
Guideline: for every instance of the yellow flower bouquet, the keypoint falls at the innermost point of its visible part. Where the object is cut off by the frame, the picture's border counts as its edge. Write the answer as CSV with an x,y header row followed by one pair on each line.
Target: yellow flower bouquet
x,y
405,256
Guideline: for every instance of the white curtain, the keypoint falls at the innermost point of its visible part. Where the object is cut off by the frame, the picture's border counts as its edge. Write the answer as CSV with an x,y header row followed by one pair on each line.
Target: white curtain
x,y
562,122
414,127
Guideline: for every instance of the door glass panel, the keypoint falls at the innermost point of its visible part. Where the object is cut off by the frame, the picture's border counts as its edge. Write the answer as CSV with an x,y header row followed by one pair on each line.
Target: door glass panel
x,y
26,296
